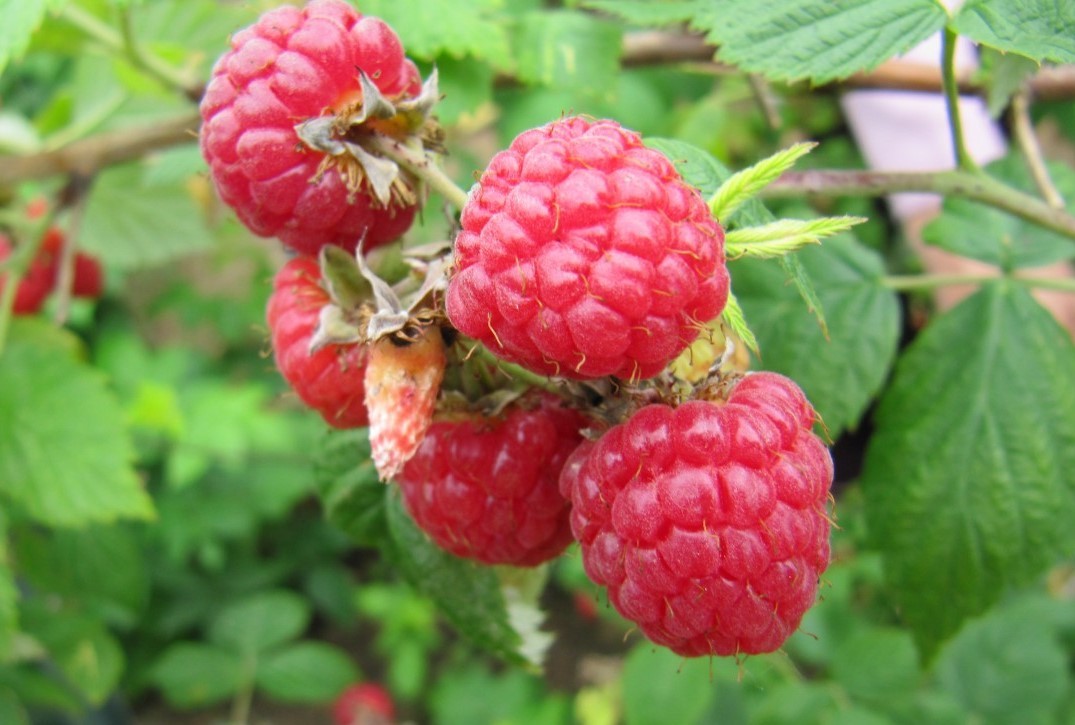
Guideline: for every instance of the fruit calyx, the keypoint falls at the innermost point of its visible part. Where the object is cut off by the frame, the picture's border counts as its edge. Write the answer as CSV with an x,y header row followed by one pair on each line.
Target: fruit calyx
x,y
347,139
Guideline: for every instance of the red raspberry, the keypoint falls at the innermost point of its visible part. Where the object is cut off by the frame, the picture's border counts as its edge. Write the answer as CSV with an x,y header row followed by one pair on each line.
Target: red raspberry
x,y
36,284
329,380
707,522
365,704
89,277
486,489
292,65
583,254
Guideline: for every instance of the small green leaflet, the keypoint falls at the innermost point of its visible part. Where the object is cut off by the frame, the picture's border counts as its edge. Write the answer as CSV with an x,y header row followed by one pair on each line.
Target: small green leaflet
x,y
784,236
993,236
1037,29
192,674
260,621
313,672
467,594
61,468
967,478
701,170
818,40
744,185
842,371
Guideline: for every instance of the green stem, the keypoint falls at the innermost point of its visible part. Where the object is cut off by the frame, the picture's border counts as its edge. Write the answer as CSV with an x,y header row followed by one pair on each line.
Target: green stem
x,y
422,166
1023,131
517,372
17,265
124,43
912,282
970,185
951,96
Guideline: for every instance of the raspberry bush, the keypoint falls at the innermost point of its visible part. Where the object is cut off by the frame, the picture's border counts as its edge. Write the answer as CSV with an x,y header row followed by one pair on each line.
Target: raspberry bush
x,y
619,365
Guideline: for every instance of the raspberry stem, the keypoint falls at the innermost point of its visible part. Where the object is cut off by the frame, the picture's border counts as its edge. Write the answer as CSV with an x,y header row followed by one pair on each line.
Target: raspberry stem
x,y
422,166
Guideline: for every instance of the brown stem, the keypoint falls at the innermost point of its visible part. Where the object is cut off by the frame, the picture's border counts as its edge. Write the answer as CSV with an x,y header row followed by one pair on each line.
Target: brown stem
x,y
89,155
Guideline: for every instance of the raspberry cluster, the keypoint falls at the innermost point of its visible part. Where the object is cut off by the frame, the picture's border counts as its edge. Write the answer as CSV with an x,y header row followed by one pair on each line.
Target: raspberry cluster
x,y
41,277
583,254
707,522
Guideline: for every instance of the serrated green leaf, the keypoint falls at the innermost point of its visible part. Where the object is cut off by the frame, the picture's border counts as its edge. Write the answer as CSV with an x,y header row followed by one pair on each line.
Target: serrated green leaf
x,y
260,621
968,474
467,594
1006,667
701,170
567,48
60,468
648,13
100,567
429,28
744,185
842,372
784,236
196,675
659,686
129,223
1037,29
20,19
819,40
351,492
990,235
312,672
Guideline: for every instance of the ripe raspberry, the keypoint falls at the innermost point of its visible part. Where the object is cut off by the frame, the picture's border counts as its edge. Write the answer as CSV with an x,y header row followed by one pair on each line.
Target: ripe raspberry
x,y
35,285
403,378
583,254
486,489
365,704
707,522
88,277
329,380
290,66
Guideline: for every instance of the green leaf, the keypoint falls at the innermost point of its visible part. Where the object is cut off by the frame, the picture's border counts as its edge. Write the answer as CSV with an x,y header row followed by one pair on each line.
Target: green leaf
x,y
351,492
990,235
130,223
734,317
568,48
842,372
12,710
467,594
260,621
60,467
877,665
312,672
660,686
744,185
9,595
784,236
797,275
429,28
701,170
197,675
1006,667
86,654
102,568
1005,74
1037,29
819,40
21,19
968,474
